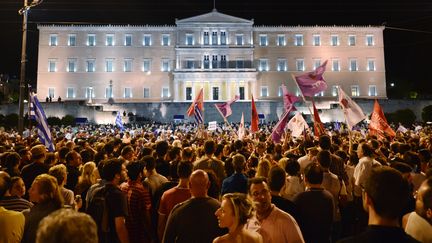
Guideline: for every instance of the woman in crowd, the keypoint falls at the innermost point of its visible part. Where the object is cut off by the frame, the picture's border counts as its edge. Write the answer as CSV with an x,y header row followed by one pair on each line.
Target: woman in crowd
x,y
87,178
233,214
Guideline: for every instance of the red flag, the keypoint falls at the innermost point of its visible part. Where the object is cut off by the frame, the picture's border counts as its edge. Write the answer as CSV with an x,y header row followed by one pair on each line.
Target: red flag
x,y
225,108
378,124
199,100
318,126
254,117
313,82
288,99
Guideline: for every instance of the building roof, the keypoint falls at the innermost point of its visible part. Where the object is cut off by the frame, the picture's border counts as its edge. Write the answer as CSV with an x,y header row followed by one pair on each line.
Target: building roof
x,y
214,17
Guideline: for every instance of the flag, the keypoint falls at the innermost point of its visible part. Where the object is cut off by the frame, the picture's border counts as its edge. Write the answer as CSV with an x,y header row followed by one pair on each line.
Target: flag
x,y
198,115
353,113
279,128
241,129
297,125
378,124
119,122
199,100
288,99
318,126
402,129
38,114
254,117
225,108
313,82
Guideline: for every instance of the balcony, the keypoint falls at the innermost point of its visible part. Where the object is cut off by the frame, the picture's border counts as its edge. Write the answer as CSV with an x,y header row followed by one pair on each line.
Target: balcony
x,y
216,66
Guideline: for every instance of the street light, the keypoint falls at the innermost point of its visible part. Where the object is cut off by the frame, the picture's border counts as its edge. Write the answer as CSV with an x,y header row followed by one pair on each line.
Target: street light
x,y
24,12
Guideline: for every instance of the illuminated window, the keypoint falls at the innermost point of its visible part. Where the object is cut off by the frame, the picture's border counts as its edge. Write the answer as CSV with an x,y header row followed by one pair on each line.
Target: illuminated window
x,y
298,40
53,40
109,40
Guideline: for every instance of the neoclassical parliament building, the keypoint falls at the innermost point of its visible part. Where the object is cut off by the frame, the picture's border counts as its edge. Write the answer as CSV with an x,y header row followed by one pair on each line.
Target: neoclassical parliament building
x,y
223,54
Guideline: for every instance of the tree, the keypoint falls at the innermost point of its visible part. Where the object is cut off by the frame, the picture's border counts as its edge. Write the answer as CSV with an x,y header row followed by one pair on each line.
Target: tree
x,y
68,120
427,113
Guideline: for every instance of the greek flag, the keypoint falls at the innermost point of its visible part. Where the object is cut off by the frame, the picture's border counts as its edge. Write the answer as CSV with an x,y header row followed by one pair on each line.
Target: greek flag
x,y
38,114
198,115
119,121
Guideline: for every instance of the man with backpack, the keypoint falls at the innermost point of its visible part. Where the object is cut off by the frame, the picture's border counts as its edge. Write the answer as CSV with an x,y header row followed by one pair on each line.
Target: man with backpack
x,y
108,206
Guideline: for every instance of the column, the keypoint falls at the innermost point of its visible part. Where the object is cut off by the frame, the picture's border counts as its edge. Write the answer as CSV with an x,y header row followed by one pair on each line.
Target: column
x,y
228,89
176,90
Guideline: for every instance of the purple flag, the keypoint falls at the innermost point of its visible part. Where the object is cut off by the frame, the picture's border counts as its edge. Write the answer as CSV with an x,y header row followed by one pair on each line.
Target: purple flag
x,y
313,82
279,128
289,99
225,108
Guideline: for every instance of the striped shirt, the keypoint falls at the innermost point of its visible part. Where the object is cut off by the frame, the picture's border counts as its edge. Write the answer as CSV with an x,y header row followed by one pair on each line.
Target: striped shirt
x,y
15,203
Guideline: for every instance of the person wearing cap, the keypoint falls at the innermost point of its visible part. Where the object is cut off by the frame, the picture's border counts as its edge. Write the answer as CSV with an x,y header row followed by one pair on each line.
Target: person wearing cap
x,y
37,165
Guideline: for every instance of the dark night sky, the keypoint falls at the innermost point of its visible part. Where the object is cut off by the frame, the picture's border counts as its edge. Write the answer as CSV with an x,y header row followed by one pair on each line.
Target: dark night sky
x,y
407,52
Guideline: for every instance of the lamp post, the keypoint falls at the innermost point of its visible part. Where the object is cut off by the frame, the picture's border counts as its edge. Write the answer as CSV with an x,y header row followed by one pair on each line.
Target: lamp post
x,y
24,12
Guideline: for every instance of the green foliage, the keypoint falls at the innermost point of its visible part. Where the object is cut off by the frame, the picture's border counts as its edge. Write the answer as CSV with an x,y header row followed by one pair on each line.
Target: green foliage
x,y
68,120
427,113
11,121
54,121
403,116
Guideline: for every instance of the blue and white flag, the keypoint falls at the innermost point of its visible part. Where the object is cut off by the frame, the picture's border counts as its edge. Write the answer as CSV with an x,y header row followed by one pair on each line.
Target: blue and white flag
x,y
38,114
198,115
119,122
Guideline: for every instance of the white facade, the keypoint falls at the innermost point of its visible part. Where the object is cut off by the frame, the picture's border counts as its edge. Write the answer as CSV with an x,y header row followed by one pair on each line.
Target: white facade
x,y
223,54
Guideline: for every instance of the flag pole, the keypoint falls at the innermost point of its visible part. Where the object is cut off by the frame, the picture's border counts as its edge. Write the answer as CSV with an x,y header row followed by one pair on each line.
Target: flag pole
x,y
224,118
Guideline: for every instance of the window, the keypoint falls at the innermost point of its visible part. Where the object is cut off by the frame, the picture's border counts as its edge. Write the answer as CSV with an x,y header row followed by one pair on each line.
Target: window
x,y
239,39
263,40
189,39
165,65
188,93
165,39
109,40
320,94
371,65
282,65
146,92
316,40
316,63
90,65
89,92
147,40
206,63
51,92
334,40
72,63
353,65
206,38
127,67
239,63
165,92
298,40
214,61
370,40
372,90
215,93
263,65
128,40
264,91
335,65
351,40
146,65
127,93
223,62
281,40
72,40
335,90
53,40
52,66
355,90
223,39
109,65
91,40
108,92
70,93
300,65
214,38
242,93
280,91
190,64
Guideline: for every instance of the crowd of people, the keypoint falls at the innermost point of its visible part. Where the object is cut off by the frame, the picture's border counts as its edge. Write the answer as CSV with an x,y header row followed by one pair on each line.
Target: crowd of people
x,y
180,183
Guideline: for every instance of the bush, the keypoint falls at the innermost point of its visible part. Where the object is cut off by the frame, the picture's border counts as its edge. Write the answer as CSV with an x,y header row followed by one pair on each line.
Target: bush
x,y
54,121
68,120
11,120
404,116
427,113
